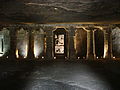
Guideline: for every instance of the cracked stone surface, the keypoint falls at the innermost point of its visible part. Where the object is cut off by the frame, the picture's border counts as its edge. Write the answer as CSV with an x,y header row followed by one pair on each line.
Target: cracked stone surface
x,y
45,11
70,78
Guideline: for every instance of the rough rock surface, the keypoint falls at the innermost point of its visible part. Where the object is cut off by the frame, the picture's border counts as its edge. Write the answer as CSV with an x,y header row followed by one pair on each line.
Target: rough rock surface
x,y
45,11
116,41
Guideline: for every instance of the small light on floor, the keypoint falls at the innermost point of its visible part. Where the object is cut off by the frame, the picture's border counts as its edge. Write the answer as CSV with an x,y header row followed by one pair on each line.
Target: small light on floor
x,y
42,57
83,57
7,57
97,57
113,57
78,57
17,56
54,57
24,57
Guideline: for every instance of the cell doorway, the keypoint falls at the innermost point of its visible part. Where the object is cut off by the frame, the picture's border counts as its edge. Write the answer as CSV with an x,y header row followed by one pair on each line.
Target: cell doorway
x,y
60,43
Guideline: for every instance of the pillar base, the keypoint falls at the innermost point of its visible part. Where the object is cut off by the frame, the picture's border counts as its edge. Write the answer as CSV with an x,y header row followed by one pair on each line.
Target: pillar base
x,y
108,56
91,56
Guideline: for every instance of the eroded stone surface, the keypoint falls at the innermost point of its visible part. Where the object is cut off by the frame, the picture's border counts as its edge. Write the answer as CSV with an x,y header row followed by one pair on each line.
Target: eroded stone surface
x,y
44,11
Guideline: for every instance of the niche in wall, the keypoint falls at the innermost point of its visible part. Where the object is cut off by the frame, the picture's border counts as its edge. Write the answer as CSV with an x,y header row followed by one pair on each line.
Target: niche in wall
x,y
4,42
99,43
116,42
39,43
22,43
81,43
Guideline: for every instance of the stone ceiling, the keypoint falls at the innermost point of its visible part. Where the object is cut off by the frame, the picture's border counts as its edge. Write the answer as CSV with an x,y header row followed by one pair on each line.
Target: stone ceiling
x,y
59,11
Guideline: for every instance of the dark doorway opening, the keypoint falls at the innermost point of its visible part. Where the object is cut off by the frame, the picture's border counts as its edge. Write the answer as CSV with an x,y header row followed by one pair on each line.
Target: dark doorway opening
x,y
99,43
81,43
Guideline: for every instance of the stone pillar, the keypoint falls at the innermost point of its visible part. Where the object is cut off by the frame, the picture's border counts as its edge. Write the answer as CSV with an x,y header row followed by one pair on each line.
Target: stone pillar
x,y
12,50
31,45
90,44
49,44
72,52
107,43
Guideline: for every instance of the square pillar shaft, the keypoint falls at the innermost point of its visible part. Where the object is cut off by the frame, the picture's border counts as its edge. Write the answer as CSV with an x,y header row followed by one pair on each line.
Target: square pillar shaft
x,y
72,52
107,44
49,45
12,50
90,45
31,45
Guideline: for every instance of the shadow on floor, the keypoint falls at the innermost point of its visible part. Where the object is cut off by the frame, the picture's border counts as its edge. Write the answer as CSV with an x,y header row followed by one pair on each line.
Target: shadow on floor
x,y
59,75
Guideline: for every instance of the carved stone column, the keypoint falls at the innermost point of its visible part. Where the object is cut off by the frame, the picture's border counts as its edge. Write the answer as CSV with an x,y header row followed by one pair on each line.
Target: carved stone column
x,y
12,50
72,52
107,43
49,44
31,45
90,44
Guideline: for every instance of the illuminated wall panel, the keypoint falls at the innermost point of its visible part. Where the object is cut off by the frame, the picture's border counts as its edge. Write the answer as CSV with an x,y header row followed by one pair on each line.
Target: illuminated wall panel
x,y
59,44
4,41
39,43
22,43
1,44
116,42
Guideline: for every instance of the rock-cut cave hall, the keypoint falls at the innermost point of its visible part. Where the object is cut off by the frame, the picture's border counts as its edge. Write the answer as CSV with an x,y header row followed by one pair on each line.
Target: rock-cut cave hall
x,y
59,44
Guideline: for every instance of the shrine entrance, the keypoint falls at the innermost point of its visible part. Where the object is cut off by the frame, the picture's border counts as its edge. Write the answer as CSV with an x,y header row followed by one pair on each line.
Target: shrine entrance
x,y
60,43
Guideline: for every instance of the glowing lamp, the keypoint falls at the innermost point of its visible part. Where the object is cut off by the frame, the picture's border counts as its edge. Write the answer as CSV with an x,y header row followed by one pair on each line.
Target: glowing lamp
x,y
17,56
113,57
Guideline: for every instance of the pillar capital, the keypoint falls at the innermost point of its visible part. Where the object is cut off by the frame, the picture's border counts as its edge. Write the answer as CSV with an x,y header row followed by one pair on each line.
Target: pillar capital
x,y
116,25
49,30
107,29
88,29
71,30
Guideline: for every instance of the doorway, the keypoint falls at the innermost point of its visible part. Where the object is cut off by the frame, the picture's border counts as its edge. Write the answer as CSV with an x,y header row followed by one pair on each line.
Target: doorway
x,y
60,43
